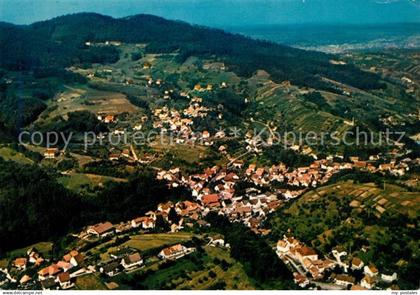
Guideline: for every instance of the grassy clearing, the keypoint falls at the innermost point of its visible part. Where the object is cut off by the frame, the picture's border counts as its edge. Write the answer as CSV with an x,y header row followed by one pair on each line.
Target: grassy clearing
x,y
234,276
88,99
43,247
213,268
90,282
4,263
82,160
150,241
167,278
11,155
188,153
144,242
76,181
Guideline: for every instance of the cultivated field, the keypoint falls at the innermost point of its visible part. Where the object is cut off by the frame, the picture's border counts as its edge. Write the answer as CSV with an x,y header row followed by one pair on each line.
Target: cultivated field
x,y
88,99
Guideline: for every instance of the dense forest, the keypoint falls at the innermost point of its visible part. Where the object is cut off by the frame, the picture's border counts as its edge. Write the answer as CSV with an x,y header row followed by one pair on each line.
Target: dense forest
x,y
35,207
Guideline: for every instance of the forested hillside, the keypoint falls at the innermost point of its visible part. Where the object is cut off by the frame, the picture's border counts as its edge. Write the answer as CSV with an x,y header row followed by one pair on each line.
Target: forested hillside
x,y
60,42
44,209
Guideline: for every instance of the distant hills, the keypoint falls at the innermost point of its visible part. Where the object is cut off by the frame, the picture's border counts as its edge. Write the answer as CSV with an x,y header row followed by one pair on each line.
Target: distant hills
x,y
36,56
59,42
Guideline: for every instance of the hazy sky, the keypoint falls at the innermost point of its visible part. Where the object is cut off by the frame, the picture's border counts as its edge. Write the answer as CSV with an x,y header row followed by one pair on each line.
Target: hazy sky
x,y
223,12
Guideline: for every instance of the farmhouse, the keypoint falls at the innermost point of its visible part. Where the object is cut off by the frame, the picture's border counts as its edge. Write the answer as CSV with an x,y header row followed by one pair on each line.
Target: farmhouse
x,y
64,280
370,270
356,263
101,229
34,256
110,269
143,222
50,153
25,279
300,280
70,255
282,247
109,119
305,252
20,263
77,259
65,266
368,282
173,252
114,157
48,272
389,278
344,280
132,261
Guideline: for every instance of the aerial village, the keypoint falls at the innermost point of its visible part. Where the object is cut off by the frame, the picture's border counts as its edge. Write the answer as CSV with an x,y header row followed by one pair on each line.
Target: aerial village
x,y
213,190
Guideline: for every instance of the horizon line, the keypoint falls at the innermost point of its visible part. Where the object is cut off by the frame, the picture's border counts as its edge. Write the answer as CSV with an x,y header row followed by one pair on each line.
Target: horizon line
x,y
222,25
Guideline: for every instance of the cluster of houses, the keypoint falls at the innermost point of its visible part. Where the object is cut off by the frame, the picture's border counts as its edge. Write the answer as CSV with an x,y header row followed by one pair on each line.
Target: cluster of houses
x,y
170,120
187,212
133,260
214,189
33,270
106,43
127,262
200,88
392,167
62,274
116,155
214,66
195,109
33,259
37,270
181,122
371,275
307,258
317,173
310,267
175,252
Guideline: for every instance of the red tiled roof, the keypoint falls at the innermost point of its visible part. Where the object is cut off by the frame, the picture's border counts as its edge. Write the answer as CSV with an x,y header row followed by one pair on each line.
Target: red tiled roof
x,y
64,265
101,228
132,258
64,277
20,261
208,199
51,270
79,258
173,249
356,261
306,251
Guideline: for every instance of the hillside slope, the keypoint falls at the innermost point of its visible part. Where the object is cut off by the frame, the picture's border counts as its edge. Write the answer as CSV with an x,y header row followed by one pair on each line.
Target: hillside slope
x,y
377,224
60,42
